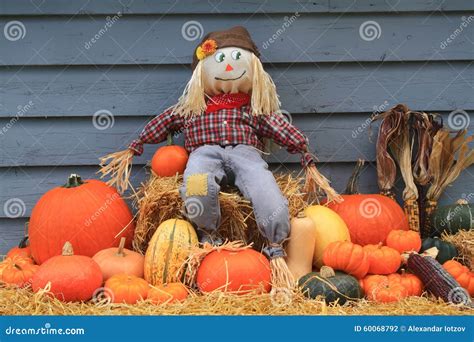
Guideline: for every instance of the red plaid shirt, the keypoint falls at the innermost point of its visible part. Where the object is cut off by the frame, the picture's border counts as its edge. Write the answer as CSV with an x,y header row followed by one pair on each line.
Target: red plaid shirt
x,y
224,127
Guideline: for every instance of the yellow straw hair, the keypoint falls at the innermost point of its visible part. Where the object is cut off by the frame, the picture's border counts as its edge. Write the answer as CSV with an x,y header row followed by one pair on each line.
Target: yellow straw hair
x,y
192,102
264,96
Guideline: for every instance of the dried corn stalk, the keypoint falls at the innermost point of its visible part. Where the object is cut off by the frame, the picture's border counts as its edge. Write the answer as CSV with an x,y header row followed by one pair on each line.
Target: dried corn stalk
x,y
401,148
449,157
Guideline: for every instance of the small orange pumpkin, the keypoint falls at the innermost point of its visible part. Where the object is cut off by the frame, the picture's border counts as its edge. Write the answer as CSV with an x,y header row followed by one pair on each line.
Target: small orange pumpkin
x,y
126,288
411,282
382,259
17,273
119,260
381,289
462,274
169,293
348,257
169,160
404,240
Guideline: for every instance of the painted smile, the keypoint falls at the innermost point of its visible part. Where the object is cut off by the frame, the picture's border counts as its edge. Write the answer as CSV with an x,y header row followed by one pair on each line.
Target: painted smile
x,y
230,79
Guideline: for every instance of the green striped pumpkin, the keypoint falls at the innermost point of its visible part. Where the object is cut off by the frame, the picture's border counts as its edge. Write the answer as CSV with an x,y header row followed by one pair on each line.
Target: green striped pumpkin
x,y
167,251
452,218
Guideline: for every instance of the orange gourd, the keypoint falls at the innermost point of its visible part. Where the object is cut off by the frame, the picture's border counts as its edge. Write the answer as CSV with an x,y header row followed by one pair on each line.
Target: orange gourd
x,y
90,214
119,260
462,274
126,288
239,271
169,160
411,282
22,250
404,240
369,217
17,273
70,277
348,257
382,259
381,289
169,293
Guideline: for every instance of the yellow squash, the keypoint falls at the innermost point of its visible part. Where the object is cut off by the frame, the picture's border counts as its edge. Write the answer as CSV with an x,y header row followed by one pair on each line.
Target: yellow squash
x,y
329,227
167,251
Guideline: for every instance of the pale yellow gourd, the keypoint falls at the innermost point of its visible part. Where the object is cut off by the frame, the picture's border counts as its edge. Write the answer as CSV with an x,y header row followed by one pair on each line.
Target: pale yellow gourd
x,y
329,227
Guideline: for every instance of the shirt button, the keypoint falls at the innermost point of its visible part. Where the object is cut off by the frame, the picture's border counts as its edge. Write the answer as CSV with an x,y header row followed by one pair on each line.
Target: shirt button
x,y
224,123
226,142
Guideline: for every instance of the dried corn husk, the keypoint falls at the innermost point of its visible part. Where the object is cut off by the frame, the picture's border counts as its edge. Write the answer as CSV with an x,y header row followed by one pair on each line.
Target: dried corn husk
x,y
450,155
392,122
401,148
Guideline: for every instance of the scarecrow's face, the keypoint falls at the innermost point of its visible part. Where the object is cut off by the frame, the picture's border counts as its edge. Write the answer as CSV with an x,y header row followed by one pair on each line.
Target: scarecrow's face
x,y
228,70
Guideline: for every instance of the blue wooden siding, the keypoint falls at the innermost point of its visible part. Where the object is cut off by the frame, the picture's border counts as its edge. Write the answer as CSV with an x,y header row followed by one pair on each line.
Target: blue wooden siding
x,y
329,78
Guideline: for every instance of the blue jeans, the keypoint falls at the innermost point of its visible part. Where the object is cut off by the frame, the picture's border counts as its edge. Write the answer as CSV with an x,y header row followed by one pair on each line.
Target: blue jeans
x,y
211,166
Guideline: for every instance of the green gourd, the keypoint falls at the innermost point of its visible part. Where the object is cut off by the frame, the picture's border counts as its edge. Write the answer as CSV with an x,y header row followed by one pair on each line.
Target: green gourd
x,y
446,250
452,218
332,286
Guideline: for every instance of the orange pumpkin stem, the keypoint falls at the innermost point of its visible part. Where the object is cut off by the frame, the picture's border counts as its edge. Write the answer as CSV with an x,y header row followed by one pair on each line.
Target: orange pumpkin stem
x,y
352,184
67,249
121,246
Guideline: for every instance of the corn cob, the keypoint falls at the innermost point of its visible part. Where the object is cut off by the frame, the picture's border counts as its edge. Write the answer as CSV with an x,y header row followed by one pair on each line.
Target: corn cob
x,y
437,281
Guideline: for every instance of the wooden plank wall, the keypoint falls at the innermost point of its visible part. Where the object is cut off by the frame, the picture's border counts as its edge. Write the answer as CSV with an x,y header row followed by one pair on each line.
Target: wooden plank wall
x,y
54,79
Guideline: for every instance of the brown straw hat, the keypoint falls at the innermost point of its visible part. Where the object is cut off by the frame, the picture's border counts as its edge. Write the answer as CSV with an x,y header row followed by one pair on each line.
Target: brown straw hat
x,y
236,36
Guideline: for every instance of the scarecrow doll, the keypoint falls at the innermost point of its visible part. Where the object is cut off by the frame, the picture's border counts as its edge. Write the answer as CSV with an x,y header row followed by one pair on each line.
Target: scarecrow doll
x,y
227,109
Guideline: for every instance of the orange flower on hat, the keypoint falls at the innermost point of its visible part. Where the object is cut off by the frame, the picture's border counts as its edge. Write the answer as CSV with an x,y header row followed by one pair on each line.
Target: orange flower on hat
x,y
207,48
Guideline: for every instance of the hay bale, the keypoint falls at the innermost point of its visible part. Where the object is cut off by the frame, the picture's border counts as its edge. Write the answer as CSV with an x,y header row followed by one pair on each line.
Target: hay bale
x,y
464,242
158,200
14,301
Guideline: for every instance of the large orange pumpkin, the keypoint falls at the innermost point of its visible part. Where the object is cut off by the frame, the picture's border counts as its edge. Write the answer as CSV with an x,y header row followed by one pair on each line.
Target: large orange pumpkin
x,y
126,288
71,277
119,260
90,214
234,271
404,240
169,160
382,259
369,217
462,274
348,257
